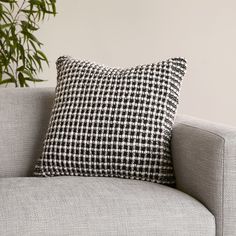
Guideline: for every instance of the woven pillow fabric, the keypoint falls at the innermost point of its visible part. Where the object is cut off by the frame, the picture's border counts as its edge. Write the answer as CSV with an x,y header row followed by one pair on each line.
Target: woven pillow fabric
x,y
112,122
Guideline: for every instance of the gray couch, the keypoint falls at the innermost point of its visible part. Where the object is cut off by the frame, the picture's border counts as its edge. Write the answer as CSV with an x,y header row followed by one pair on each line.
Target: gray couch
x,y
204,202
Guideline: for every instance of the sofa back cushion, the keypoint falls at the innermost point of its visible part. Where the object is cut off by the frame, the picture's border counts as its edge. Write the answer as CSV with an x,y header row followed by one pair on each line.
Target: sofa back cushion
x,y
24,116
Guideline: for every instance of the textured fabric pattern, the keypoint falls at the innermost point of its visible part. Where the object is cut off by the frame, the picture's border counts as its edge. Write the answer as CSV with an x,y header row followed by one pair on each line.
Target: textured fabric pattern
x,y
204,155
24,117
79,206
112,122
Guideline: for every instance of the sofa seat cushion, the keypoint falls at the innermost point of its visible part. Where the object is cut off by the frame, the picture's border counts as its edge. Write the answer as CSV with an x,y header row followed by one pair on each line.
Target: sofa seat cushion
x,y
98,206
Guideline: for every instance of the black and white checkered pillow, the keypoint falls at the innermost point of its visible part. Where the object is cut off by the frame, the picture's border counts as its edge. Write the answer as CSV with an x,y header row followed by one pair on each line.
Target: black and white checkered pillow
x,y
112,122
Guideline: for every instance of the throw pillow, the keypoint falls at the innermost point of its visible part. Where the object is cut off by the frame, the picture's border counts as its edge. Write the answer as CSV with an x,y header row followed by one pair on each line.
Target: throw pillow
x,y
112,122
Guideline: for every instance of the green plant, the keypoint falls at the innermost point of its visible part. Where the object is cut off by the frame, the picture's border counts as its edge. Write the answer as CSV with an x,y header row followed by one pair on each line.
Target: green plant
x,y
21,58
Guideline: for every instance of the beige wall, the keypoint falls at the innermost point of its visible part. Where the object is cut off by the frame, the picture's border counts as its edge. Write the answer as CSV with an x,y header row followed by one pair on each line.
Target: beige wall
x,y
128,32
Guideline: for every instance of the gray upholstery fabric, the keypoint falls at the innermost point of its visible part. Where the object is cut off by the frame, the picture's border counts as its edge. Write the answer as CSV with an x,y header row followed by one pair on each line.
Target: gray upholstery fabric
x,y
24,115
204,156
204,159
98,206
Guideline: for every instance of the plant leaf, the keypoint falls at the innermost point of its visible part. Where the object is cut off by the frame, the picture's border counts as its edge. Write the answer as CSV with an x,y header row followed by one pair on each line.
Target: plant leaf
x,y
34,80
6,81
21,79
43,56
21,57
21,68
3,26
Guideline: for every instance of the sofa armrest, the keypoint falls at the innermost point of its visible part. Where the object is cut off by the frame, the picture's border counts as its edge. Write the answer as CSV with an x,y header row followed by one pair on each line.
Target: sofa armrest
x,y
204,156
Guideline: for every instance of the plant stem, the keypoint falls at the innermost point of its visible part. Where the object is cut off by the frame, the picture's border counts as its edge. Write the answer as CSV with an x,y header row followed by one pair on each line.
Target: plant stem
x,y
19,10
